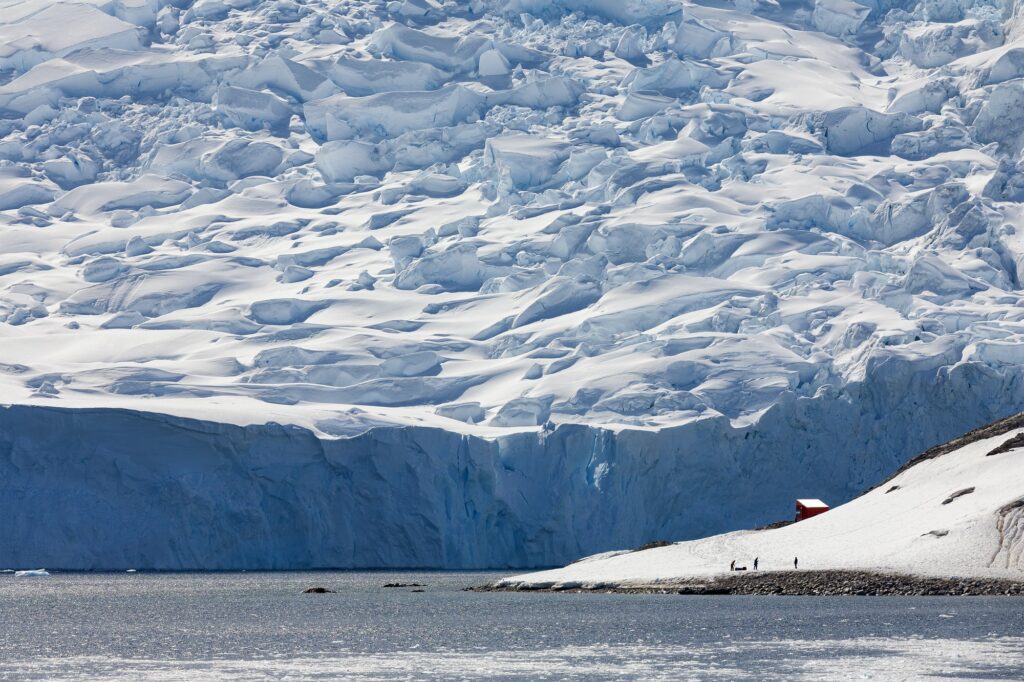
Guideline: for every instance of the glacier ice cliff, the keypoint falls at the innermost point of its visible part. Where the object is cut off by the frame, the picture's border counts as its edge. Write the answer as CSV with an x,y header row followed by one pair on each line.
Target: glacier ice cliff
x,y
550,276
114,488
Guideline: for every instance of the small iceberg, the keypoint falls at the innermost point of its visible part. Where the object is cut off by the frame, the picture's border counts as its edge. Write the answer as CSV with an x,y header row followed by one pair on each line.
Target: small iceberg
x,y
31,574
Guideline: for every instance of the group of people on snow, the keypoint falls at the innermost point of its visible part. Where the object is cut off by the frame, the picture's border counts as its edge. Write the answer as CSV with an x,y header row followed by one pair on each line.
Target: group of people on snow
x,y
732,565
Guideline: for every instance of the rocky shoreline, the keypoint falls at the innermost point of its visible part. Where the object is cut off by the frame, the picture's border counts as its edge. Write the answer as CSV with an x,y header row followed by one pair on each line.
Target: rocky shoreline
x,y
823,583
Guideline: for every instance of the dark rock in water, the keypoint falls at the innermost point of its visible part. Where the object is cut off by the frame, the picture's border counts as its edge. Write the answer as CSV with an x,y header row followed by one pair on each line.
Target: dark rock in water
x,y
317,590
418,590
405,585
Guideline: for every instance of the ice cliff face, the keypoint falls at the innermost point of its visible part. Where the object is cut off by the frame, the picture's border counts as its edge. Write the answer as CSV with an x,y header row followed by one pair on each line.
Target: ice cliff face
x,y
503,220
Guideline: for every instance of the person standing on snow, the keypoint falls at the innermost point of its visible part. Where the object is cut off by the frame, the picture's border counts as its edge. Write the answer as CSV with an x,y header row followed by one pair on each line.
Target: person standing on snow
x,y
755,563
732,566
796,563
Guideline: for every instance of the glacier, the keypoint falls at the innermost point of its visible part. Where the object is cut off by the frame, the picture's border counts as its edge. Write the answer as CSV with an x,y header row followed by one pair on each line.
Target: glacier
x,y
492,283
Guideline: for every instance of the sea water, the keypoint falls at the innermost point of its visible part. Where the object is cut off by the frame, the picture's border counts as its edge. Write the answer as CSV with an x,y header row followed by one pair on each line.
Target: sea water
x,y
255,626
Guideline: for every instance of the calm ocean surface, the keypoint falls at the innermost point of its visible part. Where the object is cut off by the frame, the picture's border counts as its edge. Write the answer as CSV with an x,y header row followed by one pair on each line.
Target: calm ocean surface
x,y
256,626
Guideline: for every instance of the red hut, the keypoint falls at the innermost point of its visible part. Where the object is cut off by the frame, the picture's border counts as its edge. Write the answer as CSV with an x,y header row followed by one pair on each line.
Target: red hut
x,y
805,509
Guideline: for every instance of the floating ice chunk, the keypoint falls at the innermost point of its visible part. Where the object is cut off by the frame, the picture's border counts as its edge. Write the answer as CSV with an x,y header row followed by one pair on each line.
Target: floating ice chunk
x,y
529,160
252,110
34,573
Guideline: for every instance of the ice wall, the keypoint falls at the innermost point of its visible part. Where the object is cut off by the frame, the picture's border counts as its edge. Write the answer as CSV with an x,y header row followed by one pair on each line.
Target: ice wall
x,y
112,489
688,223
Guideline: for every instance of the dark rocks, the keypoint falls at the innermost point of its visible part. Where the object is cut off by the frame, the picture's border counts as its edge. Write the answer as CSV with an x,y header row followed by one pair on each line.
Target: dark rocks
x,y
1016,504
824,583
317,590
988,431
777,524
958,493
405,585
652,545
1011,444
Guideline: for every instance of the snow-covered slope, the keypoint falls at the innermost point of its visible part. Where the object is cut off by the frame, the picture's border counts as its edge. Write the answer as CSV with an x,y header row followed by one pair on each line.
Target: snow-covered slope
x,y
743,229
960,514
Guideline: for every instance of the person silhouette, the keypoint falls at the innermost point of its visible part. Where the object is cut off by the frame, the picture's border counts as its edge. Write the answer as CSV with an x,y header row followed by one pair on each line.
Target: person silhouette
x,y
732,566
796,563
755,563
